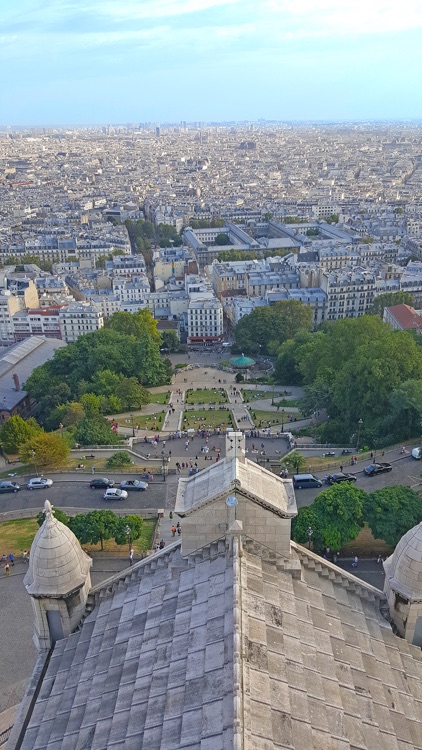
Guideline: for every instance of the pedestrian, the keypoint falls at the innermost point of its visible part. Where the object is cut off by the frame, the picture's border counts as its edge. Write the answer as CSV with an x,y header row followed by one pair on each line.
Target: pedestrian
x,y
355,562
12,558
92,469
7,569
162,544
131,556
379,559
341,468
173,531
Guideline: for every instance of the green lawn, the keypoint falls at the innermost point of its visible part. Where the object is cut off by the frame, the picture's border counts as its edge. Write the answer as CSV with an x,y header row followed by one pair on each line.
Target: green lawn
x,y
207,419
146,421
160,398
254,395
17,536
206,396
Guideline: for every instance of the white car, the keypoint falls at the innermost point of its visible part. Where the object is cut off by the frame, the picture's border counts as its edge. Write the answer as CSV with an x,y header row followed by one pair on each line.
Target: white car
x,y
114,493
39,483
416,453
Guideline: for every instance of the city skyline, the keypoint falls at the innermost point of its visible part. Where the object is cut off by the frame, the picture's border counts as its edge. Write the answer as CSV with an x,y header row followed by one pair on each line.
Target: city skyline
x,y
85,62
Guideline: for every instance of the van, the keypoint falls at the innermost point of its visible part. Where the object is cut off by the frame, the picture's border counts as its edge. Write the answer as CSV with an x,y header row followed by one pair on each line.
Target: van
x,y
305,480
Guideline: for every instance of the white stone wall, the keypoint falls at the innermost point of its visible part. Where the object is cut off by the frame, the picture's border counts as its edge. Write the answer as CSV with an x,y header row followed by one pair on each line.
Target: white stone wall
x,y
208,523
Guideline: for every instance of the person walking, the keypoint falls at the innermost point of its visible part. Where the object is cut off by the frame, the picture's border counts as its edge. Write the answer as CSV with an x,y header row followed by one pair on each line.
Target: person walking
x,y
92,469
11,559
7,569
173,531
355,562
131,556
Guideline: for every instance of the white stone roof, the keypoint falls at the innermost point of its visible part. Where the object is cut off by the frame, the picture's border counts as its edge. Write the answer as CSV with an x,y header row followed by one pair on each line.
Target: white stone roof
x,y
403,568
57,563
225,650
234,473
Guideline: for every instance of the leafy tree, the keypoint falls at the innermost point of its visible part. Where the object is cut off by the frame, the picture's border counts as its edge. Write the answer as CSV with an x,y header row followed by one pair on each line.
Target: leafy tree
x,y
15,432
59,515
389,299
135,524
339,514
170,341
91,405
119,459
105,382
74,414
222,239
390,512
307,519
131,394
294,461
267,216
273,324
47,450
312,232
406,402
96,431
94,527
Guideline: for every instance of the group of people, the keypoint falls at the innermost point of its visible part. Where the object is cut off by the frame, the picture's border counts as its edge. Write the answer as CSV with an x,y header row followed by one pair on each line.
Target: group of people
x,y
8,561
176,529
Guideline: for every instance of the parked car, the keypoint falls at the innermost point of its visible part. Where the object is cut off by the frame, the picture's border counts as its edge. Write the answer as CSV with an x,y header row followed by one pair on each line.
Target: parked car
x,y
416,453
346,452
39,483
100,483
341,477
374,469
302,481
114,493
328,454
133,485
9,486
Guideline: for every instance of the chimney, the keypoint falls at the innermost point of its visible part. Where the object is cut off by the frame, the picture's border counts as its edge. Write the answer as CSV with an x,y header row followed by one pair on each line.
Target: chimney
x,y
16,381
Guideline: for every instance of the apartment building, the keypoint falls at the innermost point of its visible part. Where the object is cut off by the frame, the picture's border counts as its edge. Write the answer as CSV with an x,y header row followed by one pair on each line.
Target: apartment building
x,y
39,322
9,306
350,292
205,319
79,318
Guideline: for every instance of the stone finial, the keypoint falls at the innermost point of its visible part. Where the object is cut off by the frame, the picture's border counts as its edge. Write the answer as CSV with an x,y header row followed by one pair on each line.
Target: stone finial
x,y
235,528
48,510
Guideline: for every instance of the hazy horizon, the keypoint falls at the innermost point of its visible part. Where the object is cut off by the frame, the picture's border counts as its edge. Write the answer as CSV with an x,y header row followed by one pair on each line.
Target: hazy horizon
x,y
86,62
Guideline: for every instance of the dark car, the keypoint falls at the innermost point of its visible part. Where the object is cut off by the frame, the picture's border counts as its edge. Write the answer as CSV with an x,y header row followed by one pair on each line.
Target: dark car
x,y
346,452
133,485
100,483
9,487
374,469
341,477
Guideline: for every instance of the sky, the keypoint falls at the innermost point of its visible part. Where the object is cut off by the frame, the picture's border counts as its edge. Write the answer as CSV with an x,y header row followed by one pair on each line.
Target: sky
x,y
117,61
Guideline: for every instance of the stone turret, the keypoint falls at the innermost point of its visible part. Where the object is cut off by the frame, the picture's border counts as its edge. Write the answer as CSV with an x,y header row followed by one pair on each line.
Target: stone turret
x,y
403,585
58,581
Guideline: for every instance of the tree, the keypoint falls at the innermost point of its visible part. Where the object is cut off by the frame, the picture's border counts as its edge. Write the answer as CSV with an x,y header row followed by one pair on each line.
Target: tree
x,y
390,512
389,299
170,341
15,432
222,239
272,325
294,461
74,414
96,431
47,450
131,394
91,405
105,382
135,525
406,402
339,513
305,521
119,459
59,515
94,527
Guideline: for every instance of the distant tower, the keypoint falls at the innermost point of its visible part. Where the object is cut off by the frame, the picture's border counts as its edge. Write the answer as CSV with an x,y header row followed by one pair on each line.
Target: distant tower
x,y
58,581
403,585
158,131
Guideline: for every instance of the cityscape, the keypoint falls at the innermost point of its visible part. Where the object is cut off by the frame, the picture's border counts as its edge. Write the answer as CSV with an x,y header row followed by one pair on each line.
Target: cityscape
x,y
210,375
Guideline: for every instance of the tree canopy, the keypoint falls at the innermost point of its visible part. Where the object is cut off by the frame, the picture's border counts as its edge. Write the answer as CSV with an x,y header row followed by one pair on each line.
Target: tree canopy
x,y
356,368
15,432
266,328
335,517
46,450
116,364
391,511
389,299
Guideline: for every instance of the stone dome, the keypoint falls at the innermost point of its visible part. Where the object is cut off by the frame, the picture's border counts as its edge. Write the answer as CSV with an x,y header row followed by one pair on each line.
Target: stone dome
x,y
403,569
57,563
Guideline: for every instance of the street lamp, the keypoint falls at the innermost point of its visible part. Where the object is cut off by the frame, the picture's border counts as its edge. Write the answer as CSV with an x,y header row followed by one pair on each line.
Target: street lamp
x,y
282,420
34,462
164,460
133,425
310,533
360,423
127,532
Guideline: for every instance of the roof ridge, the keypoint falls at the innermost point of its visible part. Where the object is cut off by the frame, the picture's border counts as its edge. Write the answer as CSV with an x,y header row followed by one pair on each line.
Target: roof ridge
x,y
238,692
